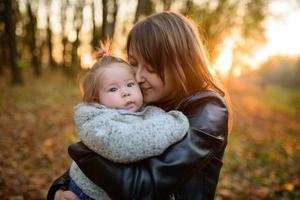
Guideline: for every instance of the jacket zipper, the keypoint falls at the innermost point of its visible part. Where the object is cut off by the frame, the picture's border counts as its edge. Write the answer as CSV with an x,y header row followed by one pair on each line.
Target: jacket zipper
x,y
172,196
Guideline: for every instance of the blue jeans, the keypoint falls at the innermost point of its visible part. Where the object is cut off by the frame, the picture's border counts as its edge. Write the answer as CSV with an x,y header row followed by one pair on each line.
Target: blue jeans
x,y
74,188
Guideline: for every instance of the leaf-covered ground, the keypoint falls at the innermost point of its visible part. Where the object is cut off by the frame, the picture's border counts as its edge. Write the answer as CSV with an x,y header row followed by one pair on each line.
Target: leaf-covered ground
x,y
262,160
36,127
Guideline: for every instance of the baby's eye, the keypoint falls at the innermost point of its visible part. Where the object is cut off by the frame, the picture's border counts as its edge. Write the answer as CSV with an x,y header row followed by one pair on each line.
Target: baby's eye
x,y
131,84
113,89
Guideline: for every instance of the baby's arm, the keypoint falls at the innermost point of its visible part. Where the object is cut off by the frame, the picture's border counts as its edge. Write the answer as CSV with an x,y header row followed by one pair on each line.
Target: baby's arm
x,y
127,138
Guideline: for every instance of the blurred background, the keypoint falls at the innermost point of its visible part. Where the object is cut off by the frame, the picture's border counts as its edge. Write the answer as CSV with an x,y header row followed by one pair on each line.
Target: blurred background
x,y
253,47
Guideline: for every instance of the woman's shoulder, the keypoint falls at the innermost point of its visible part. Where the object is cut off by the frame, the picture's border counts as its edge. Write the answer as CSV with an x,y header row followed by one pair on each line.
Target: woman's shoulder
x,y
206,110
202,99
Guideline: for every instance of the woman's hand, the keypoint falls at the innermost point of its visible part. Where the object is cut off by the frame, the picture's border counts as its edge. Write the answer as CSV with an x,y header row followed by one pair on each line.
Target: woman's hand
x,y
65,195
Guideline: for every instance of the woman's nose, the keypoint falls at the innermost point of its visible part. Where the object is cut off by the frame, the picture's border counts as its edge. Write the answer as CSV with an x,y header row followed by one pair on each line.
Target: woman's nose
x,y
139,75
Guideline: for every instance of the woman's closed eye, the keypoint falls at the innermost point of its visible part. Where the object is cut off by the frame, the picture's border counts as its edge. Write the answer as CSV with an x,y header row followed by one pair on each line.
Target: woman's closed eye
x,y
134,65
149,68
132,62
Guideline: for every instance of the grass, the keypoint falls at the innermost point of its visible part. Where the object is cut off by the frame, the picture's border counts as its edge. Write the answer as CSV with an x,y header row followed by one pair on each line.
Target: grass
x,y
284,100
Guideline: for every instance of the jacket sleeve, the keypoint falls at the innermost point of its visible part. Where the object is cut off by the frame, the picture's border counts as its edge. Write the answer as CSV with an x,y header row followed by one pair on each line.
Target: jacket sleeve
x,y
60,183
158,176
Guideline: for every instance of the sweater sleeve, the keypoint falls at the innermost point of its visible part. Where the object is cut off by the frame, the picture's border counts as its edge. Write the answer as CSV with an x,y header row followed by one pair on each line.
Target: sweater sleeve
x,y
127,137
157,176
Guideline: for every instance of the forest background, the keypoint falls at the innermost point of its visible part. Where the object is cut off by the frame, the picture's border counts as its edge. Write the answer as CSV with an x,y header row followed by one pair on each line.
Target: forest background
x,y
46,44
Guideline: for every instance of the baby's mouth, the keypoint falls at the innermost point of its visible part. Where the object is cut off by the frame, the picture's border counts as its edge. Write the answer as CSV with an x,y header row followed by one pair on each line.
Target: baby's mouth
x,y
129,105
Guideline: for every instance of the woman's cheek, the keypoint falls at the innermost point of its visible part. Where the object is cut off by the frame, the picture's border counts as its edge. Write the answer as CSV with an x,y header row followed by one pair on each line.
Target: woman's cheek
x,y
151,96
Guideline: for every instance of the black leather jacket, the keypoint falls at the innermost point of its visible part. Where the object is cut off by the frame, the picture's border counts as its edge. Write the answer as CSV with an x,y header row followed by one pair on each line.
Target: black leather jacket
x,y
188,169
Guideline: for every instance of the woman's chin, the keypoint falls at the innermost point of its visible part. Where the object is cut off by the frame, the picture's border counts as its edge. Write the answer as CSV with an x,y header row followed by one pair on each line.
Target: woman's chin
x,y
152,97
149,100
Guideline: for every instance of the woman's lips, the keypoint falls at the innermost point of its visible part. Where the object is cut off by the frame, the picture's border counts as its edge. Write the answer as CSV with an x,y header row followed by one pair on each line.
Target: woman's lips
x,y
145,88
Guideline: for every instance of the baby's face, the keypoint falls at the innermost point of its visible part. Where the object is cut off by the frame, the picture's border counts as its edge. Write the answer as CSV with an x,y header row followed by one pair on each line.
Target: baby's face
x,y
119,88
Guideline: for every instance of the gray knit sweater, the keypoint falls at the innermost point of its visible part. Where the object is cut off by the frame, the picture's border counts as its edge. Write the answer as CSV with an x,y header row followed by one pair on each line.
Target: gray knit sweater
x,y
123,136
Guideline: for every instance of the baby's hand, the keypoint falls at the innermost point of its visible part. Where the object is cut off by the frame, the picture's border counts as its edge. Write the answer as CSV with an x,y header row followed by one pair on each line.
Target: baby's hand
x,y
65,195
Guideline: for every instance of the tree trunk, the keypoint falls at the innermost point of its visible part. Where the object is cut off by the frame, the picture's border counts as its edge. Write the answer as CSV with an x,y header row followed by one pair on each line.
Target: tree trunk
x,y
167,4
64,38
75,63
95,39
144,8
32,41
111,24
3,60
104,19
10,31
2,41
51,63
188,6
78,20
110,10
2,55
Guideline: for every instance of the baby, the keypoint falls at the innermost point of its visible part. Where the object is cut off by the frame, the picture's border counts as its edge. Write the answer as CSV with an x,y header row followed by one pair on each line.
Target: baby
x,y
113,122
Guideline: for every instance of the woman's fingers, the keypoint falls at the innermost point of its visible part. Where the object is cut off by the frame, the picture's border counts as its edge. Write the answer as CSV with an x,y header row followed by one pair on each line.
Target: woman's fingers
x,y
68,195
65,195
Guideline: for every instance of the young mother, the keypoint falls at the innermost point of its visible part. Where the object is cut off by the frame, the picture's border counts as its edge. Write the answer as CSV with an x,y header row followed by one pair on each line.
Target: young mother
x,y
172,71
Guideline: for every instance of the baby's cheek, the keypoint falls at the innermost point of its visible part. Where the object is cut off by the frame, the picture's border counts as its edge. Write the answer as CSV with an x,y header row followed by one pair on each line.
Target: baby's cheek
x,y
111,101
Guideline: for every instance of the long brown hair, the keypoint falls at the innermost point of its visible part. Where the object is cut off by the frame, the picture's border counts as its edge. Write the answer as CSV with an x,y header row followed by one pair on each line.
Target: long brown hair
x,y
170,40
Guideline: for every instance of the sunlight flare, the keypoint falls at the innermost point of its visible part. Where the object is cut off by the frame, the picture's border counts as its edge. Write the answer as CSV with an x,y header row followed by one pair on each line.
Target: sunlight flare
x,y
86,61
224,61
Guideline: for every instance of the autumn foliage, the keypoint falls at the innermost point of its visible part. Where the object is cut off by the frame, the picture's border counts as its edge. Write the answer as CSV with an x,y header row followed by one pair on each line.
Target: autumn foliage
x,y
262,160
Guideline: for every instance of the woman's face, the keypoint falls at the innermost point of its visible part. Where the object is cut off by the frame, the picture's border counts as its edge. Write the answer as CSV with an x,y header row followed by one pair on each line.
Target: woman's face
x,y
152,86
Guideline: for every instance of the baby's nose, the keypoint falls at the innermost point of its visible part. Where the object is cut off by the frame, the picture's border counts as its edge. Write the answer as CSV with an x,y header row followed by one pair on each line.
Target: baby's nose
x,y
125,92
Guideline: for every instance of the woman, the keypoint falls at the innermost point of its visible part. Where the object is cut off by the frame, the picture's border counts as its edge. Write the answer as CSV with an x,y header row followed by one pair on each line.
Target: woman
x,y
172,71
